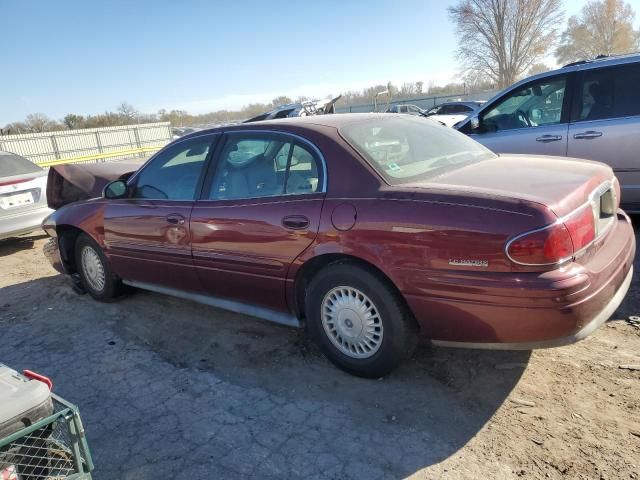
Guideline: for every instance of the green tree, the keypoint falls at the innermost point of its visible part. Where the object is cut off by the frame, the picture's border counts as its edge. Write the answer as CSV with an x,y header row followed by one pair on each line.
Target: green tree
x,y
73,121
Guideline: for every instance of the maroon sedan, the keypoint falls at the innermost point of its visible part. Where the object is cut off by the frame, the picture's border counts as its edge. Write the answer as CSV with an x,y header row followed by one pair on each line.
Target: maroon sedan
x,y
369,230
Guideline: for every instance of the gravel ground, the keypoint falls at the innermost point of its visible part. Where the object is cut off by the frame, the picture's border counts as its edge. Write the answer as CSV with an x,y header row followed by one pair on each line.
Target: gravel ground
x,y
172,389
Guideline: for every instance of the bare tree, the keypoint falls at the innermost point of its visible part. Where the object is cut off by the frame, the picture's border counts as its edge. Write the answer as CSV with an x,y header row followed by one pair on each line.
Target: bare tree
x,y
503,38
602,28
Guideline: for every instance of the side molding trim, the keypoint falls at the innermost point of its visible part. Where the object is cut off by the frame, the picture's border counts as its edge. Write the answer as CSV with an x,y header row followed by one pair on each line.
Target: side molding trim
x,y
231,305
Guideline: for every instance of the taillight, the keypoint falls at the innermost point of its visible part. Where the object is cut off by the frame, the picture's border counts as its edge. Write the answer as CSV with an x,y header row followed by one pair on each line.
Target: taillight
x,y
582,227
557,242
541,247
15,182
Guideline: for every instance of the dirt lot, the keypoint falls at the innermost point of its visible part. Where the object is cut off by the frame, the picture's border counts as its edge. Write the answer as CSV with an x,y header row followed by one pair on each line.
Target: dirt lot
x,y
171,389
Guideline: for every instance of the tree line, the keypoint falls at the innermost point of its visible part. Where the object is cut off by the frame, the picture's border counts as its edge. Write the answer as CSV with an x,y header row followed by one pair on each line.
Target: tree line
x,y
499,42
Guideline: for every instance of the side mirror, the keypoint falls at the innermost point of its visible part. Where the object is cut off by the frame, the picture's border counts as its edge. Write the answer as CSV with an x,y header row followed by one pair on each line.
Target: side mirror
x,y
475,123
115,189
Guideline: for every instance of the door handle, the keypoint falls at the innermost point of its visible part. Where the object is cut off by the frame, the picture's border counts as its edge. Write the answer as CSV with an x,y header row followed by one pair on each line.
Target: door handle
x,y
175,219
587,135
549,138
295,222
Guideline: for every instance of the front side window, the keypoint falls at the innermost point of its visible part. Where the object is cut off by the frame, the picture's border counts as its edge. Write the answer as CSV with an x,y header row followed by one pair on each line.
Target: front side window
x,y
263,165
610,93
174,173
406,149
533,105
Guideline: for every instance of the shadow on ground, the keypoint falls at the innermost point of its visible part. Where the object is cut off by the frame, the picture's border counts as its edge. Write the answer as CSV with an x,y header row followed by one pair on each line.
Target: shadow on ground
x,y
9,246
168,386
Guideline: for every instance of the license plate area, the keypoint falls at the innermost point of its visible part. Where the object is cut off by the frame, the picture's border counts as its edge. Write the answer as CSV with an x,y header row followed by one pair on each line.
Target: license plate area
x,y
603,203
16,200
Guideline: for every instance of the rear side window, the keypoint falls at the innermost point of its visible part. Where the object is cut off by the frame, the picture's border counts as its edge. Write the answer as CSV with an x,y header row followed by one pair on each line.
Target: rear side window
x,y
609,93
11,165
258,165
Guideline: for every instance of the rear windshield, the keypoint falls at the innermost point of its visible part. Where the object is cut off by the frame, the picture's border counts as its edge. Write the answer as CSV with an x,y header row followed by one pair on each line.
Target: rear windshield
x,y
11,165
407,149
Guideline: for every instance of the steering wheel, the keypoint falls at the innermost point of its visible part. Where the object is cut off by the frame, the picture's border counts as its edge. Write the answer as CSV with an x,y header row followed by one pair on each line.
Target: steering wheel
x,y
521,115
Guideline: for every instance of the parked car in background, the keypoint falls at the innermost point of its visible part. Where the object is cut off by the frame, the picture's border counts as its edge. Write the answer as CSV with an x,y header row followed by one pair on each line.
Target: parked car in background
x,y
299,109
588,109
450,113
405,108
438,236
23,200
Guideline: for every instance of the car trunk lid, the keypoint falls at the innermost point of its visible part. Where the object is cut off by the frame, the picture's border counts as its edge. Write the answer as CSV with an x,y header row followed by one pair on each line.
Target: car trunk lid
x,y
561,184
69,183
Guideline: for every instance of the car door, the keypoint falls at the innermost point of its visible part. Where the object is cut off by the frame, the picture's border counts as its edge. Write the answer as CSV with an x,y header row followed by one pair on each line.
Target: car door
x,y
606,124
531,118
259,210
147,234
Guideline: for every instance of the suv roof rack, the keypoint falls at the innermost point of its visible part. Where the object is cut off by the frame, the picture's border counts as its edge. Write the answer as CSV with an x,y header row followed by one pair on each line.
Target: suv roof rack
x,y
599,58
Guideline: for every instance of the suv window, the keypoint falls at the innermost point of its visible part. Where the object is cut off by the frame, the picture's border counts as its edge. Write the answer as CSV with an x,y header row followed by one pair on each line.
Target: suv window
x,y
263,165
459,109
609,93
174,173
535,104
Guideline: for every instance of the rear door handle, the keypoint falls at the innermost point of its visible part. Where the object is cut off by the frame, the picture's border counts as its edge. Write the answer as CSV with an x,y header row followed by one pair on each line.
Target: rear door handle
x,y
586,135
295,222
175,219
549,138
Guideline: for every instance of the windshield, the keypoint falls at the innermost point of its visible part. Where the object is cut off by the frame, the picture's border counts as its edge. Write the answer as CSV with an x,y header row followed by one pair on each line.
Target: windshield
x,y
406,149
11,165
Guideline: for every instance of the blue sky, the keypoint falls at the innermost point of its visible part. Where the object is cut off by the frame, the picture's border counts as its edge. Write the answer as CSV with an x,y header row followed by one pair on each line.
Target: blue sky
x,y
81,56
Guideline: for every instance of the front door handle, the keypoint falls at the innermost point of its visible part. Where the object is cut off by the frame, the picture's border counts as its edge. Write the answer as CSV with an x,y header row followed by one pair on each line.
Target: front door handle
x,y
549,138
175,219
295,222
587,135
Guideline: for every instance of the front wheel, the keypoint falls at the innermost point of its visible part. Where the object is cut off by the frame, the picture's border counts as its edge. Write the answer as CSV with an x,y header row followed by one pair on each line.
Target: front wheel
x,y
359,321
95,271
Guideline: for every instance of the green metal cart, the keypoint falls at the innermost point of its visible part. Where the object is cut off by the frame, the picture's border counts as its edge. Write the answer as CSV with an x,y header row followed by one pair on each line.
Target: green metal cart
x,y
54,448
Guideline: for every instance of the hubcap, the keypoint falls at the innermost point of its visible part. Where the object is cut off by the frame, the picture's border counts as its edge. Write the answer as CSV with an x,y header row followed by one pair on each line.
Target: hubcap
x,y
351,321
93,268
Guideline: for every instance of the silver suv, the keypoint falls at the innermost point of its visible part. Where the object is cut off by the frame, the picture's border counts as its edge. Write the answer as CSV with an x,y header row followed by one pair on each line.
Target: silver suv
x,y
588,109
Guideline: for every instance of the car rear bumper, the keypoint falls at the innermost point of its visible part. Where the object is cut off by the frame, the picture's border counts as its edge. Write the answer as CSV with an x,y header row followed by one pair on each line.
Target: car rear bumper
x,y
530,310
23,222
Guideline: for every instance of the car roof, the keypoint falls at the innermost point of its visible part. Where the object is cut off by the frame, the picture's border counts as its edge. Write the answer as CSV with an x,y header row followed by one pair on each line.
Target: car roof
x,y
598,62
334,120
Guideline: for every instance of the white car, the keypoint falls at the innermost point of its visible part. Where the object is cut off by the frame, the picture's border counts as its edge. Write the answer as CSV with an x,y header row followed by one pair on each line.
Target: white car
x,y
450,113
23,196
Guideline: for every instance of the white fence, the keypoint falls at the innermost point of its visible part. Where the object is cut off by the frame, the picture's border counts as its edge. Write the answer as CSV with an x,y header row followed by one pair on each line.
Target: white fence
x,y
89,144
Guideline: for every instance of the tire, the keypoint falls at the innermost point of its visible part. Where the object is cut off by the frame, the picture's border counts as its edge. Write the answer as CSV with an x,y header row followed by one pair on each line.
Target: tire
x,y
337,300
95,271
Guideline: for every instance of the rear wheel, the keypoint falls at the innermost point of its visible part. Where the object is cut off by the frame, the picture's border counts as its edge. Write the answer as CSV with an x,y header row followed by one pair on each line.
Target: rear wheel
x,y
94,270
358,320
